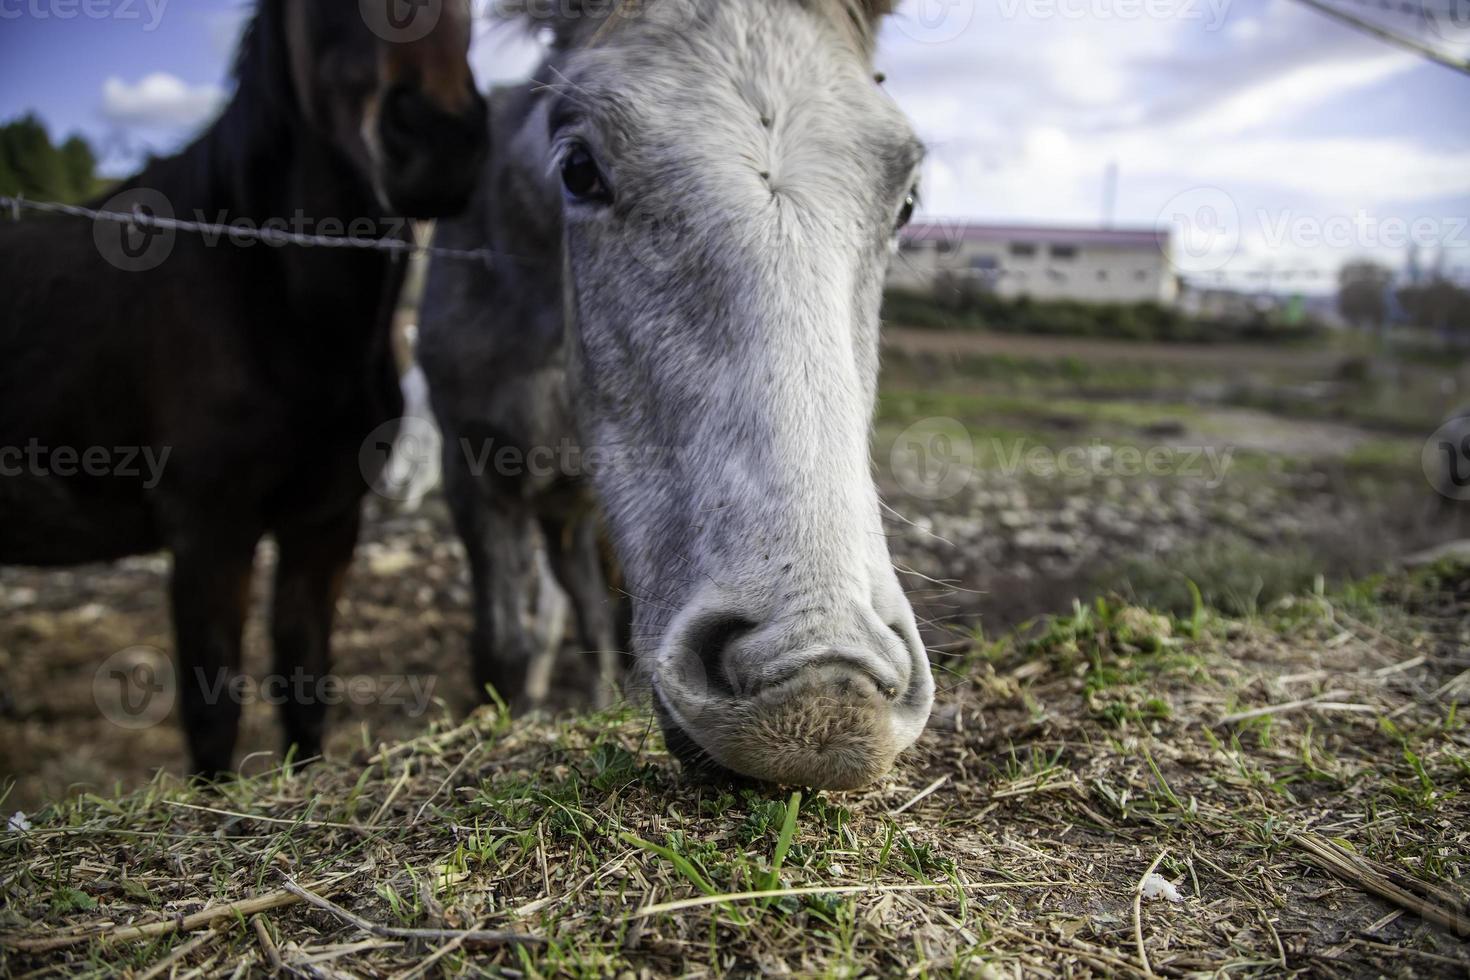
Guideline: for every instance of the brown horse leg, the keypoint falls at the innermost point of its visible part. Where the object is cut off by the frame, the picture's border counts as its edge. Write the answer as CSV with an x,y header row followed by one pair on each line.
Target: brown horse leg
x,y
210,593
309,575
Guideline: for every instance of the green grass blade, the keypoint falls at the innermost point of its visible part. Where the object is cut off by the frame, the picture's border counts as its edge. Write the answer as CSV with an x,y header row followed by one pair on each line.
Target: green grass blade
x,y
783,843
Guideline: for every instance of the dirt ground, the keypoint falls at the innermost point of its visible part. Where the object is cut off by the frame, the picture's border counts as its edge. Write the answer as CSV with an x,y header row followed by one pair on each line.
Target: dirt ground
x,y
1114,793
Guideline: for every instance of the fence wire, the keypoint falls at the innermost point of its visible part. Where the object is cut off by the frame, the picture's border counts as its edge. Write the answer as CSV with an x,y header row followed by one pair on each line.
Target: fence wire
x,y
270,236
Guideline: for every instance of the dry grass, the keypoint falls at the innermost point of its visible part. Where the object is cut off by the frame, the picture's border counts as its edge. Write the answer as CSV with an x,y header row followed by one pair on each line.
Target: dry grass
x,y
1300,778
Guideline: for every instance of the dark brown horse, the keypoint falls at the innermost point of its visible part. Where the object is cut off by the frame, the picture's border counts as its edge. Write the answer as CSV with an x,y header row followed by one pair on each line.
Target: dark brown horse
x,y
160,389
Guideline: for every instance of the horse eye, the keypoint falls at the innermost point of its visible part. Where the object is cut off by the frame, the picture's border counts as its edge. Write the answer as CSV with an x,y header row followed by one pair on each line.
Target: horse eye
x,y
906,213
581,178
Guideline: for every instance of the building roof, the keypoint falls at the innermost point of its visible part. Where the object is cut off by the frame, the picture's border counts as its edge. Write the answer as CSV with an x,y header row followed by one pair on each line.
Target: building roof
x,y
961,231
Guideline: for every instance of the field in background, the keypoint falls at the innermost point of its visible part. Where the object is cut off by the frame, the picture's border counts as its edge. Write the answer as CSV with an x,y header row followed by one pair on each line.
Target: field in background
x,y
970,307
1281,463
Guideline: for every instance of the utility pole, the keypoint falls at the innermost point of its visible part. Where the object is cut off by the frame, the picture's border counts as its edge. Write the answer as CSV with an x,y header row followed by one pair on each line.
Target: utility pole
x,y
1110,193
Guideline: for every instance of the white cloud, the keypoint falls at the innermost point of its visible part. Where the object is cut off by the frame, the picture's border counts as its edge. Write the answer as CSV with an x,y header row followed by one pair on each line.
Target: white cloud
x,y
160,100
1024,111
1281,99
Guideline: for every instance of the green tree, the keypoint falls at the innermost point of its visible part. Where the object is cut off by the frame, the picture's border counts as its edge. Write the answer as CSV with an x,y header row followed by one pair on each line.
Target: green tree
x,y
34,167
79,164
32,158
1440,305
9,182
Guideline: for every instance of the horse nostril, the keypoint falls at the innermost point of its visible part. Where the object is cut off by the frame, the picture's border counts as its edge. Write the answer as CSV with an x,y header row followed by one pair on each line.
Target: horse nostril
x,y
900,631
708,641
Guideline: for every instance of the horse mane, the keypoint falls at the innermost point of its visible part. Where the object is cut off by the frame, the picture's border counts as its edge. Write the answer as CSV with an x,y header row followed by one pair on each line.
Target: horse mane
x,y
232,162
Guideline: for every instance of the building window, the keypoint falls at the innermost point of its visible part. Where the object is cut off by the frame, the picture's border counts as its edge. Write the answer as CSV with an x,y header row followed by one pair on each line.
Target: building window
x,y
1066,252
1023,250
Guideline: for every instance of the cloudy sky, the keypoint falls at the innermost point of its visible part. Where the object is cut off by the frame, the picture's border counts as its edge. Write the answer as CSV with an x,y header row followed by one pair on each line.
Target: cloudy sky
x,y
1268,138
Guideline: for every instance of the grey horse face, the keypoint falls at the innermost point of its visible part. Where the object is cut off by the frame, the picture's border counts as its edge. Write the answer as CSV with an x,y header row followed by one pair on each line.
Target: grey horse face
x,y
733,180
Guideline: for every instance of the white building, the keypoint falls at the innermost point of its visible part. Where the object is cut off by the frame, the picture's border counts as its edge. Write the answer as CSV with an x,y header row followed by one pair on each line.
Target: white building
x,y
1096,265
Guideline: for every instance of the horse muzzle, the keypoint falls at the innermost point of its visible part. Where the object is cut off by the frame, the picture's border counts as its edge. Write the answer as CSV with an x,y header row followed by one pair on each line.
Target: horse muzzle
x,y
430,158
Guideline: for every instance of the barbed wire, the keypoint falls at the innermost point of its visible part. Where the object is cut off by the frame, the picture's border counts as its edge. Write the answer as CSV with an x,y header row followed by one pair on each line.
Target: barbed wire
x,y
1454,62
270,236
274,236
1411,8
